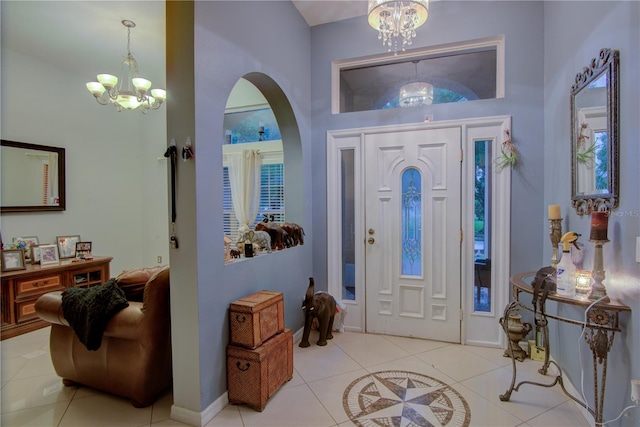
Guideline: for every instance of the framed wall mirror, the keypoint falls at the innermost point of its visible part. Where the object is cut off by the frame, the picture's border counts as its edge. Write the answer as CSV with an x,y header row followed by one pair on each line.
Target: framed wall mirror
x,y
594,135
32,177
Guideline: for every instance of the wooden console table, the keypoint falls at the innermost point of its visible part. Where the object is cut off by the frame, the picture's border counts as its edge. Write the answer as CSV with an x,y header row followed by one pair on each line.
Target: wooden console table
x,y
21,289
602,324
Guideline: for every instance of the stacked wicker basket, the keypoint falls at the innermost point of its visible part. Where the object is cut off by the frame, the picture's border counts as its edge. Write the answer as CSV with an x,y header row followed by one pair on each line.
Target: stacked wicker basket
x,y
260,353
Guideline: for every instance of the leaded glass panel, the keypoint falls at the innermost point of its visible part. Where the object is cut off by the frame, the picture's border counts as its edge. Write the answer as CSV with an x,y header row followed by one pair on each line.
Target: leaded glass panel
x,y
411,223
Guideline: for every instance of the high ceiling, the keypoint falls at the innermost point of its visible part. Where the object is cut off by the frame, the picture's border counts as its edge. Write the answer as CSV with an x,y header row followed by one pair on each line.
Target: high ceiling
x,y
77,36
321,12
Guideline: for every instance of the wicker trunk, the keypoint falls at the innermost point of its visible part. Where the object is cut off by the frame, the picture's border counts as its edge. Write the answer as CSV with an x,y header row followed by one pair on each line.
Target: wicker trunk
x,y
254,375
256,318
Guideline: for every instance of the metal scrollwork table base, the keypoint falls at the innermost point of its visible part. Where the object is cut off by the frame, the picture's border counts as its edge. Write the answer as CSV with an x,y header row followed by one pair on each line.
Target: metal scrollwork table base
x,y
602,324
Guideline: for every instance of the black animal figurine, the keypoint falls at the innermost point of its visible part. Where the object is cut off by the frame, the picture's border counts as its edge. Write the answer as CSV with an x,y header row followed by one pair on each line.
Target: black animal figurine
x,y
321,306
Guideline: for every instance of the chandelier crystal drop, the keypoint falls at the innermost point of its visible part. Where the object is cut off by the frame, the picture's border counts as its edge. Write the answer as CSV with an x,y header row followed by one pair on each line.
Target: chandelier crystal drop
x,y
133,90
397,20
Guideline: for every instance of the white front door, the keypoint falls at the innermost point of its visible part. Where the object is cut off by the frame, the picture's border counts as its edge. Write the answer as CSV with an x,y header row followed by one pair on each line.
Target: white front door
x,y
412,216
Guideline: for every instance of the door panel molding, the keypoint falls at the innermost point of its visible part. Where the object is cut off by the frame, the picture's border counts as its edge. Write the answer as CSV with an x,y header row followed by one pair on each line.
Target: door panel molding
x,y
477,328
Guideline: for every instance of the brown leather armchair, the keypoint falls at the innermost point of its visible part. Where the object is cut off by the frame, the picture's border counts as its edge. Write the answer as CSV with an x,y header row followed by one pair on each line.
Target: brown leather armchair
x,y
134,358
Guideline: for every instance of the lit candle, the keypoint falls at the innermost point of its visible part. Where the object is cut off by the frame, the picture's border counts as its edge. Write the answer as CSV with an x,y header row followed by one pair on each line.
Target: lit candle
x,y
554,212
599,225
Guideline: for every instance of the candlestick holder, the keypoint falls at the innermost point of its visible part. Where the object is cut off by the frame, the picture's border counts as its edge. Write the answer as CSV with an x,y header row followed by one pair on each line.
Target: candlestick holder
x,y
598,290
555,233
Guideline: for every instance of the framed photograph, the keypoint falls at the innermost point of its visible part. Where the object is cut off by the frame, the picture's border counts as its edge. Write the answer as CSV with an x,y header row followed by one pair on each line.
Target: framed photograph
x,y
13,259
30,241
35,254
83,250
49,254
67,246
25,243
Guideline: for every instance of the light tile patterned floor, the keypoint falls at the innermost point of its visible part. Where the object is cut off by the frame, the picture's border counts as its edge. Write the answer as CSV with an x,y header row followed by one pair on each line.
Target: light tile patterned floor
x,y
32,394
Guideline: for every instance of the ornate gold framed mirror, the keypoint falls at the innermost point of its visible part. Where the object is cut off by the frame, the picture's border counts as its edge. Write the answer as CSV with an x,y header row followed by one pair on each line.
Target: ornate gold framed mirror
x,y
594,135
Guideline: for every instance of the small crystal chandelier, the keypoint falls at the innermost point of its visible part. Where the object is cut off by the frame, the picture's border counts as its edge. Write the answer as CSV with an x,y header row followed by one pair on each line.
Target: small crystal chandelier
x,y
132,92
416,93
397,19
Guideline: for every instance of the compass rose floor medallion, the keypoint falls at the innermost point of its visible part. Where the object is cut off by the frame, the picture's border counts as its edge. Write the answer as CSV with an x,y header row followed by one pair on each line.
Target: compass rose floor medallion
x,y
404,399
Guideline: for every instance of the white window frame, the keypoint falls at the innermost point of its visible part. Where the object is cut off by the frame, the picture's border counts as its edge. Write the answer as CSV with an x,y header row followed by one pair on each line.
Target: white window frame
x,y
497,42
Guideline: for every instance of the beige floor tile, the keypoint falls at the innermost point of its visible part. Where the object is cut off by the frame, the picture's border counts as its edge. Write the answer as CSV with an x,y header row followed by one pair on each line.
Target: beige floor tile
x,y
105,410
40,364
483,412
412,364
324,363
32,396
457,362
564,415
330,392
343,337
10,368
23,344
294,406
84,391
530,401
40,416
495,355
161,409
170,423
294,381
372,350
415,345
32,392
228,417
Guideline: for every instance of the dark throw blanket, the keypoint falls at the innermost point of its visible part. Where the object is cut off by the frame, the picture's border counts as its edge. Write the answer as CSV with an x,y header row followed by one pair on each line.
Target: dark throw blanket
x,y
88,310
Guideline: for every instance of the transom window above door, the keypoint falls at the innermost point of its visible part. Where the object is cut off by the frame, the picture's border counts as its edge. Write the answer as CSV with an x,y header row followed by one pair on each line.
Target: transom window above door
x,y
457,72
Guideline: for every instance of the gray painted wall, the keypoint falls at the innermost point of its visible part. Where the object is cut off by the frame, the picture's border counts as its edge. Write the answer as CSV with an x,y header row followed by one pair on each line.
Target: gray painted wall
x,y
270,38
115,186
448,22
574,33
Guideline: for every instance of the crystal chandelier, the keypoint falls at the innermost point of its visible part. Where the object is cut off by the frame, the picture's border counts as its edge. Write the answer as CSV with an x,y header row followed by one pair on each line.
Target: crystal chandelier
x,y
133,91
416,93
396,20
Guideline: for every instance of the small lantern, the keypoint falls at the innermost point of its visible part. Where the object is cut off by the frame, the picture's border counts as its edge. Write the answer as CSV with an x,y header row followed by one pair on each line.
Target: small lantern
x,y
583,284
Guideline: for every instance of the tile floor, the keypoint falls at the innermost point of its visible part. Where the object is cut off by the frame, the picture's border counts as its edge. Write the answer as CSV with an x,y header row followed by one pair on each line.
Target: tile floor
x,y
32,394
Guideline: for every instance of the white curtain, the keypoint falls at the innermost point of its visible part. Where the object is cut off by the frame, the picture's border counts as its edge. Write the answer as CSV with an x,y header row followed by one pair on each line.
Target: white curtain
x,y
244,178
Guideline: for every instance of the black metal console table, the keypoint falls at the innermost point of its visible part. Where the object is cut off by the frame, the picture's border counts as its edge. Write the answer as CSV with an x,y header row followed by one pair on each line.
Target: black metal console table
x,y
602,324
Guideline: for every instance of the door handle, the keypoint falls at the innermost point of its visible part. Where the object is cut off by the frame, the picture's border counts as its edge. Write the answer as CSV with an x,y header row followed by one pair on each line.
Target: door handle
x,y
371,240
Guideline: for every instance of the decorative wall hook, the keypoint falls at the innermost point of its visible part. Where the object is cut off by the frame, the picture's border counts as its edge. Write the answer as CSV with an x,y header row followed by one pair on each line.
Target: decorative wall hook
x,y
187,151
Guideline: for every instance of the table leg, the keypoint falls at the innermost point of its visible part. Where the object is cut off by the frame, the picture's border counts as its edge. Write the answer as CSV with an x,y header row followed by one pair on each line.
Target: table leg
x,y
504,323
600,343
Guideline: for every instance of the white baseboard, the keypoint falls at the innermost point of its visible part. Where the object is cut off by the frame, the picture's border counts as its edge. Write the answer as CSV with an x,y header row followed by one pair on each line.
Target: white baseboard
x,y
199,419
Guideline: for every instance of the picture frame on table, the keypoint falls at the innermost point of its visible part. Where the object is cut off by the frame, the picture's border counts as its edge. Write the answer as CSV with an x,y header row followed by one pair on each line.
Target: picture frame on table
x,y
35,254
13,259
29,241
67,245
49,254
83,250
